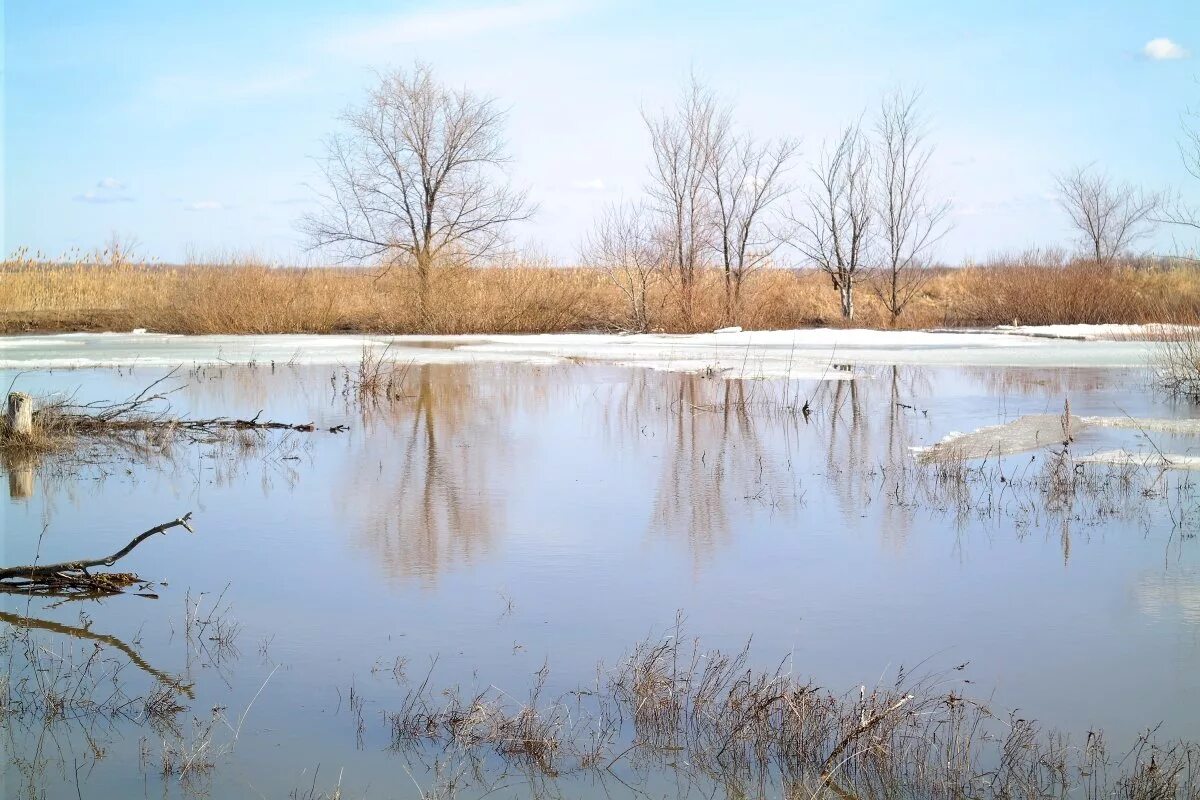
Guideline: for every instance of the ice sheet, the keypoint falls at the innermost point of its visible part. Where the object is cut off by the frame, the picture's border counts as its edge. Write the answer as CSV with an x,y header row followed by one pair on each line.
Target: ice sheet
x,y
1034,431
1142,459
811,353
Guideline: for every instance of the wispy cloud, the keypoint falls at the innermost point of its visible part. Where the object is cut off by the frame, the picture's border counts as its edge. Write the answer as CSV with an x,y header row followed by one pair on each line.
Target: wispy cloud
x,y
206,205
1163,49
589,185
451,24
205,89
106,190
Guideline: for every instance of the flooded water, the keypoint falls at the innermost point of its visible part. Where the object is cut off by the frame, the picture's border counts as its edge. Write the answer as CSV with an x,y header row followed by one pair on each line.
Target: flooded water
x,y
502,517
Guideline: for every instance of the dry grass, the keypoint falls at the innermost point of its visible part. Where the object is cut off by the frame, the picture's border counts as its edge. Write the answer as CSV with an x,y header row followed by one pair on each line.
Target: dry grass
x,y
88,294
1178,362
717,720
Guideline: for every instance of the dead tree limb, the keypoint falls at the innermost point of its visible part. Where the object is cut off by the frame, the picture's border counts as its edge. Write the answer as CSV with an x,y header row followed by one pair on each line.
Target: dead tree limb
x,y
74,576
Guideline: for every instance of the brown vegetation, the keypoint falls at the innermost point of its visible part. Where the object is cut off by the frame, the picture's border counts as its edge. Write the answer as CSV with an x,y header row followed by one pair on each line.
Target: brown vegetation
x,y
716,720
91,294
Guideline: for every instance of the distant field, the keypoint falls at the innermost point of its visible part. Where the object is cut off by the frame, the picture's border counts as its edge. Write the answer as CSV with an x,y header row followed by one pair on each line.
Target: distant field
x,y
254,298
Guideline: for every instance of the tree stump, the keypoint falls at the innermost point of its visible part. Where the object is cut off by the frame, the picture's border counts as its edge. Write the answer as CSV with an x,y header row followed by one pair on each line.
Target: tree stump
x,y
19,416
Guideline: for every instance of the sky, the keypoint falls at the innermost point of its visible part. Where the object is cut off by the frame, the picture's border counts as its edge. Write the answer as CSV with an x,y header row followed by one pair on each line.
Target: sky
x,y
193,128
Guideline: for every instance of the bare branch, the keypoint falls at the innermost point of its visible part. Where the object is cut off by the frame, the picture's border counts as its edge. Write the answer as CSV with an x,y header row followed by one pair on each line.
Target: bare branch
x,y
1108,216
681,144
745,180
37,572
417,179
910,221
626,247
835,230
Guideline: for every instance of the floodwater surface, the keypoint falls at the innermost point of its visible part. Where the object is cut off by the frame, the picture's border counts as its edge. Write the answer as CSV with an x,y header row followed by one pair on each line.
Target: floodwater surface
x,y
498,518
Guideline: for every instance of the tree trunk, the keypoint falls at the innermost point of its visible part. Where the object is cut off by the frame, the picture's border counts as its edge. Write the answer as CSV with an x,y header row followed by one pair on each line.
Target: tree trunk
x,y
423,292
736,311
895,304
847,299
728,296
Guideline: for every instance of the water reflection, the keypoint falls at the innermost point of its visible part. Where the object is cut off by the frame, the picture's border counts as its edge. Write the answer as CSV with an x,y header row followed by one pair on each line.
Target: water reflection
x,y
606,499
85,633
715,452
424,481
430,478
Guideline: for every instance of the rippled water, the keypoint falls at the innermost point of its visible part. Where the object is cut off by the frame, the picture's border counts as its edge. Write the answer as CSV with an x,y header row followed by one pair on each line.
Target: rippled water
x,y
504,516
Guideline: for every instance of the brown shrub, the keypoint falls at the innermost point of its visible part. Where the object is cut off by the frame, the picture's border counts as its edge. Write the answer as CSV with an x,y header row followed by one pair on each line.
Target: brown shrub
x,y
246,296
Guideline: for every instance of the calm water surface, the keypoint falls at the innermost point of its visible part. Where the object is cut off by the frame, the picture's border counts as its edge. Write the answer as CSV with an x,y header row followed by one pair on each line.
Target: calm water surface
x,y
502,517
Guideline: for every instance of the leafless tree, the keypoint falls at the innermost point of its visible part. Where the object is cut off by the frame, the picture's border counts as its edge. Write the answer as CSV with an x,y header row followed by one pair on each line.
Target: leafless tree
x,y
1178,211
745,180
910,221
835,228
624,245
417,179
680,140
1109,216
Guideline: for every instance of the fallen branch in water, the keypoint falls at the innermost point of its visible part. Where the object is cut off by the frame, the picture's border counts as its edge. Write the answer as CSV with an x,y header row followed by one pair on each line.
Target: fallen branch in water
x,y
136,424
73,578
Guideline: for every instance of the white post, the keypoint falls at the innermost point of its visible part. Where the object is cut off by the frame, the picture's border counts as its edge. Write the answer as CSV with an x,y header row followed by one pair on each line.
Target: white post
x,y
19,417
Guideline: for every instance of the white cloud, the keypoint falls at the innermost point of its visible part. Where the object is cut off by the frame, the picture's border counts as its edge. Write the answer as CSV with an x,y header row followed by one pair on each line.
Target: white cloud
x,y
206,205
590,185
420,27
106,190
1163,49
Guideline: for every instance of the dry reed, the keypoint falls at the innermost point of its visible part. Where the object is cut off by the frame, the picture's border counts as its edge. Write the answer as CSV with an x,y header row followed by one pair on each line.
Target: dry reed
x,y
247,297
718,720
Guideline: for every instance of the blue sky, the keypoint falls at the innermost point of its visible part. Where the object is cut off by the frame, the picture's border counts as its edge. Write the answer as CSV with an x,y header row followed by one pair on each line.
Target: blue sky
x,y
192,126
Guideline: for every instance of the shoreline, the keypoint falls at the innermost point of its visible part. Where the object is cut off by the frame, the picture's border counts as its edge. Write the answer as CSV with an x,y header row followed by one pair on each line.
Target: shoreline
x,y
811,353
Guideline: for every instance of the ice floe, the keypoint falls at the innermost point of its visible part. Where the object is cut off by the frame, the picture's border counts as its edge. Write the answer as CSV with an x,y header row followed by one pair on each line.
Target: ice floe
x,y
1035,431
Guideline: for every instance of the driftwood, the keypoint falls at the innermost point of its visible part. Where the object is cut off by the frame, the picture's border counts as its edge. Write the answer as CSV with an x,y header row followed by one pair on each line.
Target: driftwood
x,y
146,412
72,577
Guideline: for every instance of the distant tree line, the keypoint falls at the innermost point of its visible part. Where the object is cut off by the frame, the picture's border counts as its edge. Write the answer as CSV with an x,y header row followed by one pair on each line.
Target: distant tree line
x,y
417,179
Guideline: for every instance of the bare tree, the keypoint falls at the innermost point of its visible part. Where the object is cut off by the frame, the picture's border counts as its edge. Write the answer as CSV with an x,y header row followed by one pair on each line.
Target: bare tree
x,y
623,244
680,141
1109,216
834,231
417,179
1178,211
745,180
910,221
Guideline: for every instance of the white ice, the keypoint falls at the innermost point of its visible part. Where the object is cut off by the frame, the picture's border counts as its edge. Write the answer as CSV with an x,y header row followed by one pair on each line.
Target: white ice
x,y
1153,460
812,353
1034,431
